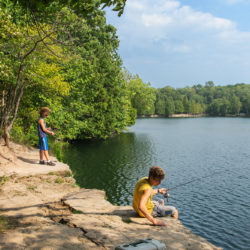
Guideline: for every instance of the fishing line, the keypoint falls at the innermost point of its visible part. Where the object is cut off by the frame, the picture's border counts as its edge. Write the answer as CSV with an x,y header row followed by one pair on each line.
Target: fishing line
x,y
197,179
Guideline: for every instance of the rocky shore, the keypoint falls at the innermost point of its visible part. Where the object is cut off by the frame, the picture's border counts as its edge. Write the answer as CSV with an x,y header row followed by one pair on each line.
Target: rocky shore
x,y
41,207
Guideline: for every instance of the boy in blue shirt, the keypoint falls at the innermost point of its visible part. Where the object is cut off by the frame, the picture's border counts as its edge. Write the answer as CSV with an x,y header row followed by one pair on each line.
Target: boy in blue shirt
x,y
42,133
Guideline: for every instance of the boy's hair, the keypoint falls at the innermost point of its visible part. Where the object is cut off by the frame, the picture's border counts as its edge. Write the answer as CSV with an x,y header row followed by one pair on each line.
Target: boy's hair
x,y
156,173
44,110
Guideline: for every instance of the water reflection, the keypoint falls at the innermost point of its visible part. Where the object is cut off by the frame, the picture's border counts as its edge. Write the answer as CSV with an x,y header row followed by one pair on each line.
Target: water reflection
x,y
113,165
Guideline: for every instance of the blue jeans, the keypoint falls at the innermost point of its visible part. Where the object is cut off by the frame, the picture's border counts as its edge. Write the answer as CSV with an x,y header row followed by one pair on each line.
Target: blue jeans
x,y
161,210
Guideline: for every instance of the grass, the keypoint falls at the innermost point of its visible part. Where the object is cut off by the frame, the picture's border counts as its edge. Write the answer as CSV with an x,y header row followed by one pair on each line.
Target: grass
x,y
6,223
3,179
77,212
74,185
19,193
31,187
59,180
68,174
127,220
51,173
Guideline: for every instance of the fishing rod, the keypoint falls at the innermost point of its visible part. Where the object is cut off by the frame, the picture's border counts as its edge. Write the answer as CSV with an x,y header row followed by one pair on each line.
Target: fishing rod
x,y
166,195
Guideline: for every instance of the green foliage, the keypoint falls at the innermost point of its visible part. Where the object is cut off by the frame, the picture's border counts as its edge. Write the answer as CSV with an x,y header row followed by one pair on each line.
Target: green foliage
x,y
208,99
170,108
26,67
98,104
3,180
84,6
77,212
59,180
69,64
127,220
56,148
31,187
4,224
68,174
142,96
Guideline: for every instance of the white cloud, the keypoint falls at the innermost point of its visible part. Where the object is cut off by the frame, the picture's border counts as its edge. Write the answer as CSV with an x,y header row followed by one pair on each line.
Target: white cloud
x,y
155,20
169,5
178,36
202,20
161,20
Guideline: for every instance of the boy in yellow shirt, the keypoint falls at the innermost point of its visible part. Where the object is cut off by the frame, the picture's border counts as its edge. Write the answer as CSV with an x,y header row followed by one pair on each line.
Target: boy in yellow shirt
x,y
143,194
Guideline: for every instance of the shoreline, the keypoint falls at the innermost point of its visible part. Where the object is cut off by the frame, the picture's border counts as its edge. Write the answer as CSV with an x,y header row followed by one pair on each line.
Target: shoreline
x,y
41,207
242,115
173,116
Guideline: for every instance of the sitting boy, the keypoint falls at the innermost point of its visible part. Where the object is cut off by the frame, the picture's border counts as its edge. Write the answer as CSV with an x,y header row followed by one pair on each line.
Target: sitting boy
x,y
142,199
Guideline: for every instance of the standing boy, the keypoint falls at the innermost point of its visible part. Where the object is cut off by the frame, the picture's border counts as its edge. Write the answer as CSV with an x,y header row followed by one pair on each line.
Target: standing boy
x,y
42,133
142,199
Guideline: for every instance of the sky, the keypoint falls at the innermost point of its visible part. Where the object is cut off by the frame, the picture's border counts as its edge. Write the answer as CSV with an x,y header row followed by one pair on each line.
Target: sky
x,y
181,43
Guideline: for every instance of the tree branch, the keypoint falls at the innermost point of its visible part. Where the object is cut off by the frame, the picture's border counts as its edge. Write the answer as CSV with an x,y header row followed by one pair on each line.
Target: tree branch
x,y
17,105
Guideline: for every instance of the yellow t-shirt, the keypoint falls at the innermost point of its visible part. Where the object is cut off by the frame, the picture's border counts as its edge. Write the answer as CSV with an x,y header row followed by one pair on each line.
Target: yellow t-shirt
x,y
140,186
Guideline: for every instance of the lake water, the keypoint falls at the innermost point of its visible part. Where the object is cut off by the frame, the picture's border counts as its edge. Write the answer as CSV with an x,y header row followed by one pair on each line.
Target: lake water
x,y
216,208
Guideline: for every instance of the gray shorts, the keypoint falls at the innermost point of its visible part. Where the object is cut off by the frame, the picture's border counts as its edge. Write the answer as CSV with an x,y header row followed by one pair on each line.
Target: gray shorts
x,y
161,210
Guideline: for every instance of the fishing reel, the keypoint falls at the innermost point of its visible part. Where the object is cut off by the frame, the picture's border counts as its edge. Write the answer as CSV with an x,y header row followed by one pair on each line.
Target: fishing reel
x,y
167,196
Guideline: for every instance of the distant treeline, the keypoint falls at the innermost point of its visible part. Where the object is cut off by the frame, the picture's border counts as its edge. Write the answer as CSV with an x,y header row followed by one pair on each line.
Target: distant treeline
x,y
208,99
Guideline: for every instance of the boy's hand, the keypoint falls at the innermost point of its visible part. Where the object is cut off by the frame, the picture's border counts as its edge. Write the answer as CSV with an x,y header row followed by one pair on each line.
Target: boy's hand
x,y
160,223
162,190
50,131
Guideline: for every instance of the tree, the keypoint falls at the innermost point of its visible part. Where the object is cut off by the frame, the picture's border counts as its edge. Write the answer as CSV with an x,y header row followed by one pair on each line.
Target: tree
x,y
220,106
23,61
87,6
235,105
186,105
179,108
142,96
98,104
160,103
170,109
71,53
195,108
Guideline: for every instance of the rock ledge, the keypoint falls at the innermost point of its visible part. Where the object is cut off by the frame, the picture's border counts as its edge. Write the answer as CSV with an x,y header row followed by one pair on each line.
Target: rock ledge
x,y
43,208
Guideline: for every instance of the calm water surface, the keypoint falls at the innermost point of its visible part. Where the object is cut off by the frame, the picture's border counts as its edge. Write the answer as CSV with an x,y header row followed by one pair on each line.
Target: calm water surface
x,y
216,208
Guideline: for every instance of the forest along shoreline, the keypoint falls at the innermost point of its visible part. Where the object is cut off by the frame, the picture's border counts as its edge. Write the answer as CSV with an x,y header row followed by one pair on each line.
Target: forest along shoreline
x,y
41,206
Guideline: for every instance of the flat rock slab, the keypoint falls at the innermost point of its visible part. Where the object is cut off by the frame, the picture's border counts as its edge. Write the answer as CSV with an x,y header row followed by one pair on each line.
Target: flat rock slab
x,y
89,201
110,226
45,237
21,161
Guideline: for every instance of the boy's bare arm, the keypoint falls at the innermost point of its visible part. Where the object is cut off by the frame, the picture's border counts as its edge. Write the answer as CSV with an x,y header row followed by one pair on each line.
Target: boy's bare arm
x,y
41,122
144,210
160,190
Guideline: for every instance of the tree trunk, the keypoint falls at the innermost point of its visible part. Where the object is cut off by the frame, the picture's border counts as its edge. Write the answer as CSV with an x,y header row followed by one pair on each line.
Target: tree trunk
x,y
2,110
6,135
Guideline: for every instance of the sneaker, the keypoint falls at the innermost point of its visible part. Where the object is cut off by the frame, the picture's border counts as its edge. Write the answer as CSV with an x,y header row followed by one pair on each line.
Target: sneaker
x,y
50,163
42,162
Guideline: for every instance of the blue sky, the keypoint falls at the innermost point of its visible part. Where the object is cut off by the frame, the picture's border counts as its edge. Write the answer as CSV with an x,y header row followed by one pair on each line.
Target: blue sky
x,y
185,42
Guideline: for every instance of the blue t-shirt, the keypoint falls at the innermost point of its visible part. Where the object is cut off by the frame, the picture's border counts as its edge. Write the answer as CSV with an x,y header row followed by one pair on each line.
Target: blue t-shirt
x,y
41,133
